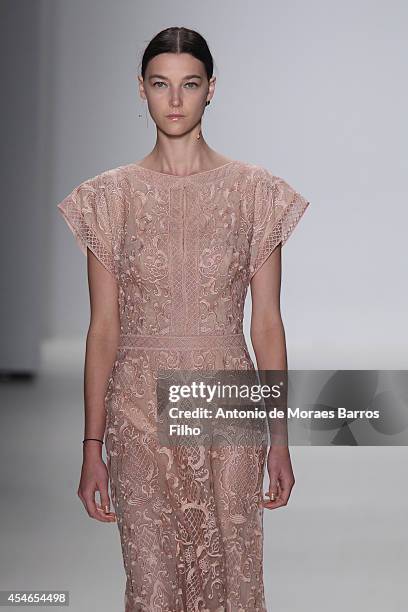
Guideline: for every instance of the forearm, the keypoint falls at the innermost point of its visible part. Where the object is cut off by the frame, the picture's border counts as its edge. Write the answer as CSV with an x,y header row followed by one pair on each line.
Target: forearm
x,y
269,344
101,347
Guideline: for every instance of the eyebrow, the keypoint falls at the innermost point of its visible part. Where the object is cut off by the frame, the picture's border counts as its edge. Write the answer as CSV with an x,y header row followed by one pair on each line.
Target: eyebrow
x,y
189,76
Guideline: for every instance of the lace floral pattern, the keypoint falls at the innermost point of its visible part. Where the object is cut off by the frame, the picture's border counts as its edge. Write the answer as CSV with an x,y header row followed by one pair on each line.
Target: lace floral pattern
x,y
183,251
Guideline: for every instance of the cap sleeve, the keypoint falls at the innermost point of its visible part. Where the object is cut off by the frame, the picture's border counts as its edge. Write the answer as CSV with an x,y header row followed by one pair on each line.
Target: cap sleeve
x,y
87,215
277,210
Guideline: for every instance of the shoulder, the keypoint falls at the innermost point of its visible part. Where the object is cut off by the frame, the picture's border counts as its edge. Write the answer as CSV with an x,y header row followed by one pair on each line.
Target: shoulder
x,y
261,174
267,183
104,193
107,177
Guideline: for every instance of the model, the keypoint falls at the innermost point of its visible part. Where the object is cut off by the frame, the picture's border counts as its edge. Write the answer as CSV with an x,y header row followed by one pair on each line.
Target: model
x,y
173,242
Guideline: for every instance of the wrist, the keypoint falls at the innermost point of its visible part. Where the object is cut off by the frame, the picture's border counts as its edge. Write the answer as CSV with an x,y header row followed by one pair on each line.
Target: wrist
x,y
92,446
279,445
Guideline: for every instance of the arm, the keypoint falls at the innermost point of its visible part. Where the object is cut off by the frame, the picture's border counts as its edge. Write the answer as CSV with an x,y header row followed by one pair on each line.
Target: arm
x,y
101,345
269,343
268,334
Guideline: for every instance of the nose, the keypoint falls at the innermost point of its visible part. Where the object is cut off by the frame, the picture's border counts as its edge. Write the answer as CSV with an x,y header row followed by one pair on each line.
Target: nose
x,y
175,99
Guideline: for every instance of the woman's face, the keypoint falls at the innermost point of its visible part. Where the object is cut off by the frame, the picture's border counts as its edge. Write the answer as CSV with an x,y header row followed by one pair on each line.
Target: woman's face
x,y
176,83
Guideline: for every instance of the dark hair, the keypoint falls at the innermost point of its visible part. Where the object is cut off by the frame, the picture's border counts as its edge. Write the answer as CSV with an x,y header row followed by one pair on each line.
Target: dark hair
x,y
179,40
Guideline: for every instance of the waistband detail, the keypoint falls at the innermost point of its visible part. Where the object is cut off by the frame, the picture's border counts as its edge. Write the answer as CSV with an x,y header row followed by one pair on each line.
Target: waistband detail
x,y
127,341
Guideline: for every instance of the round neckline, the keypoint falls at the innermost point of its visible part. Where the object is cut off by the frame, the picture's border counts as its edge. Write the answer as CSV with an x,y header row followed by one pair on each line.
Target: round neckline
x,y
186,176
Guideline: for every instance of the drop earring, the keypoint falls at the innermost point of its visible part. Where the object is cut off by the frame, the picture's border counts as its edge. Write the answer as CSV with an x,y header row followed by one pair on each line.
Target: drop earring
x,y
139,114
199,133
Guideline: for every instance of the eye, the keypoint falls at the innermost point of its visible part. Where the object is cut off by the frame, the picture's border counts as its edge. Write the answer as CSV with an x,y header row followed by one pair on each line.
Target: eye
x,y
159,83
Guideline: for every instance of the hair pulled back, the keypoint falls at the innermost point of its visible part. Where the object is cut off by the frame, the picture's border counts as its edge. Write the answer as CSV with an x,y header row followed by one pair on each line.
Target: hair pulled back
x,y
179,40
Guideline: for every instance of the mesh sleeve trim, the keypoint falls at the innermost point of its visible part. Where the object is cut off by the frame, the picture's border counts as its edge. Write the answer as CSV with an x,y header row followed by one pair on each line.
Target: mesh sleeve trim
x,y
277,231
86,236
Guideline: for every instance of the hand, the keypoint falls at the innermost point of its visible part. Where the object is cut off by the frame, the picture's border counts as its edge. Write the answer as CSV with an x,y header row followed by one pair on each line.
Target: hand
x,y
94,477
281,478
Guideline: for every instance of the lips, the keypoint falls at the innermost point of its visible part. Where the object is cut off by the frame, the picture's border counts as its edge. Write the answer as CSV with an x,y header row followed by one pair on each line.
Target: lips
x,y
173,116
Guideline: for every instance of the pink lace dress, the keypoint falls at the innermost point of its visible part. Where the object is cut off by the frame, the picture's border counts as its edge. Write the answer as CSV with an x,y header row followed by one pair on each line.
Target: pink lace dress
x,y
183,251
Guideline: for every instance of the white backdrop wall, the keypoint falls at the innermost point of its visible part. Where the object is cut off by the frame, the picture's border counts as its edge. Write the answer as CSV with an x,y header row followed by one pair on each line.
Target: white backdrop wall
x,y
312,91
